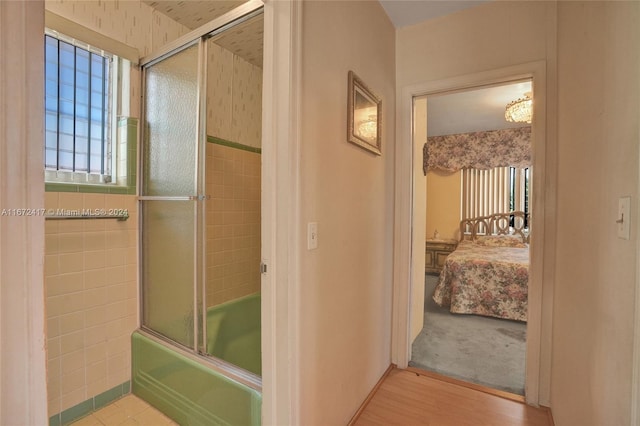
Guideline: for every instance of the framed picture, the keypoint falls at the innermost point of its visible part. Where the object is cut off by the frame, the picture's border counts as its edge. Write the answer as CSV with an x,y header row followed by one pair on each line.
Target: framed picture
x,y
364,116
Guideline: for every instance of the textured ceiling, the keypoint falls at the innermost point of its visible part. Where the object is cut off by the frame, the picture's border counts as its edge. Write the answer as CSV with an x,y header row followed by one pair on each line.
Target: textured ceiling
x,y
244,40
193,13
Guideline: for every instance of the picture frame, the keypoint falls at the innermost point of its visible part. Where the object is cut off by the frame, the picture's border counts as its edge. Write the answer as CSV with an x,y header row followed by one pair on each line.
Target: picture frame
x,y
364,116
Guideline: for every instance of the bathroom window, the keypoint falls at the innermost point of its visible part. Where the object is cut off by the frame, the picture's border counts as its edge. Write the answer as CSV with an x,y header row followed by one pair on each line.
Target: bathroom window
x,y
79,111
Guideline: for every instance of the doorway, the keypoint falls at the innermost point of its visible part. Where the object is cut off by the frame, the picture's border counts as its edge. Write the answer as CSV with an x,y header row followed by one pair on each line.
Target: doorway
x,y
480,343
409,276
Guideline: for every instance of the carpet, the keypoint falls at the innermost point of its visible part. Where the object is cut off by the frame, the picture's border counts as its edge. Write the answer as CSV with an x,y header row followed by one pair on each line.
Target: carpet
x,y
477,349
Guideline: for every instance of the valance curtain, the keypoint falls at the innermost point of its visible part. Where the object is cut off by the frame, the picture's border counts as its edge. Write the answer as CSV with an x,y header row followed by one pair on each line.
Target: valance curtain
x,y
479,150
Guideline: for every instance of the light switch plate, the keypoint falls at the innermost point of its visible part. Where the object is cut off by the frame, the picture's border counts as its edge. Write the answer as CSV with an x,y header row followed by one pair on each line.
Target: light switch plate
x,y
624,217
312,235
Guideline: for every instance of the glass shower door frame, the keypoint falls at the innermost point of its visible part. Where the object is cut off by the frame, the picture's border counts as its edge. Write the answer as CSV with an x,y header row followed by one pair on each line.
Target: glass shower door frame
x,y
199,36
198,198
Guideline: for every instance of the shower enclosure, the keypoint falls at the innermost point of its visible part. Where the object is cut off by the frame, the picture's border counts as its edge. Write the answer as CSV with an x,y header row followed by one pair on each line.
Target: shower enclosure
x,y
197,354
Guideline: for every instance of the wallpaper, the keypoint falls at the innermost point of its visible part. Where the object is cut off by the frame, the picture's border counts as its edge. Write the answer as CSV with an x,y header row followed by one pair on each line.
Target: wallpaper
x,y
479,150
219,87
128,21
234,98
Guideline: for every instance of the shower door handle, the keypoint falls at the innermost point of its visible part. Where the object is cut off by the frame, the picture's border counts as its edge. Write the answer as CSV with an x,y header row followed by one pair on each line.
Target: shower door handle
x,y
199,197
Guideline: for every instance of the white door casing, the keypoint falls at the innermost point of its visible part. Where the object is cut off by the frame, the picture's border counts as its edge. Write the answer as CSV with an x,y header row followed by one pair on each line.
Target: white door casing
x,y
280,212
542,205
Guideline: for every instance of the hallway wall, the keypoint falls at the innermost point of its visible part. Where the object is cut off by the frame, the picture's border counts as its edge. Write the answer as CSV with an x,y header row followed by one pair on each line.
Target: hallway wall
x,y
598,141
345,293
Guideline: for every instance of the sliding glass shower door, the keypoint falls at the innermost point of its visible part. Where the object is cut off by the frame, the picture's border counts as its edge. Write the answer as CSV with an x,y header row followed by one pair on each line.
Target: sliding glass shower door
x,y
171,196
200,187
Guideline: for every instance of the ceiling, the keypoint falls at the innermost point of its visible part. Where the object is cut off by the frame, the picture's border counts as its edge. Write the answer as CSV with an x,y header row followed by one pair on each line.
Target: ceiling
x,y
244,40
461,112
193,13
473,110
408,12
247,42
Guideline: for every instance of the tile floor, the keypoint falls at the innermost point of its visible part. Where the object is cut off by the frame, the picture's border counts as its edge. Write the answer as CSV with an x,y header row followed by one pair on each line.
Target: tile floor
x,y
127,411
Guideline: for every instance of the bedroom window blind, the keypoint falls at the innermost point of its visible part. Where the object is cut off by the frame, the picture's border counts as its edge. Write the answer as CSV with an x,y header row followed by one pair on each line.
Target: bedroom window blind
x,y
498,190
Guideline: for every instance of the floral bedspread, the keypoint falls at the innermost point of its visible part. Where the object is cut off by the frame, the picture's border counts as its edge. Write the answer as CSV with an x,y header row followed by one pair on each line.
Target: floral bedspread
x,y
484,280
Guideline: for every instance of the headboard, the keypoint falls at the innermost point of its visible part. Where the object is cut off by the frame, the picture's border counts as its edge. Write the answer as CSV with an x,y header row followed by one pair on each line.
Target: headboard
x,y
511,223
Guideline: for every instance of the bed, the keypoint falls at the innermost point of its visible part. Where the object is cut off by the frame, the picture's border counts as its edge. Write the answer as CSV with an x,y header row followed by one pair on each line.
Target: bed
x,y
488,272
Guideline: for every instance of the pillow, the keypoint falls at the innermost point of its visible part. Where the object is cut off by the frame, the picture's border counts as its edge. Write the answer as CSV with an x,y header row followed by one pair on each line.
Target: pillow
x,y
500,241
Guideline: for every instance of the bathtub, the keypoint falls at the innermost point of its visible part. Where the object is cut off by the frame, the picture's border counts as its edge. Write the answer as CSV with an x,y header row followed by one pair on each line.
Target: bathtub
x,y
233,332
186,388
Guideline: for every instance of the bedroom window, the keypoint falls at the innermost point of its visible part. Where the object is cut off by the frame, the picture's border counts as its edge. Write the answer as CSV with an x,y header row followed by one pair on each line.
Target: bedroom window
x,y
499,190
78,111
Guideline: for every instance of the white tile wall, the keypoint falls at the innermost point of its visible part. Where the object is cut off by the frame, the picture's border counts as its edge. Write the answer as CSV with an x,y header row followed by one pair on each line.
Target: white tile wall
x,y
233,223
91,298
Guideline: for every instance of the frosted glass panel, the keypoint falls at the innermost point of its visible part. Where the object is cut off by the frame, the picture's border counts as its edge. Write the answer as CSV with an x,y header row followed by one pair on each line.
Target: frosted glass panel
x,y
168,268
171,114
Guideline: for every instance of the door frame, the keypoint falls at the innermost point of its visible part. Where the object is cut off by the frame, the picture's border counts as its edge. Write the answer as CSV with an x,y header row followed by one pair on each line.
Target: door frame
x,y
538,352
281,99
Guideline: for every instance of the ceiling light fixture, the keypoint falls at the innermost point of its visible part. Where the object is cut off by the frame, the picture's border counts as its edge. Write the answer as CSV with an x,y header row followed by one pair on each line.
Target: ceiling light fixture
x,y
520,110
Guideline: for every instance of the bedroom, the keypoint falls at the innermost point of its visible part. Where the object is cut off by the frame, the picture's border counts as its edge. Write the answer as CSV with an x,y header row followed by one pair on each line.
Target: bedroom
x,y
476,164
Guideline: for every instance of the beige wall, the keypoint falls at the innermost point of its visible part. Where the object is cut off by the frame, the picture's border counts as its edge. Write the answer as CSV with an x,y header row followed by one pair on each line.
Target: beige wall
x,y
598,69
23,396
487,37
443,204
345,293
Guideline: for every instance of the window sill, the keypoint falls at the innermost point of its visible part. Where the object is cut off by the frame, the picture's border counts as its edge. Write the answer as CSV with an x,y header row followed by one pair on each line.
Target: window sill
x,y
89,188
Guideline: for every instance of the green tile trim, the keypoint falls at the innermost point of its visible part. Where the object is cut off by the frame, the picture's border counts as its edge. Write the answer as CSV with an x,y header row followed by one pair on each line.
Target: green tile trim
x,y
92,404
54,420
123,121
77,411
107,397
236,145
82,188
132,153
62,187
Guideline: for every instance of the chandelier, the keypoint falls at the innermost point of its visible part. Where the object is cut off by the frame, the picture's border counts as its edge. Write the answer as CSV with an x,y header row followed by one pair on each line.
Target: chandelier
x,y
520,110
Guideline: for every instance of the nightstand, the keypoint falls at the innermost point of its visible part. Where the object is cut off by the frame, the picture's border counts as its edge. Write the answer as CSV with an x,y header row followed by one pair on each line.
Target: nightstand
x,y
436,251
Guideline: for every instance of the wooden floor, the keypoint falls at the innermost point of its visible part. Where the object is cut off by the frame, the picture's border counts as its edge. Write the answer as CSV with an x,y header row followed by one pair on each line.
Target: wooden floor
x,y
407,398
